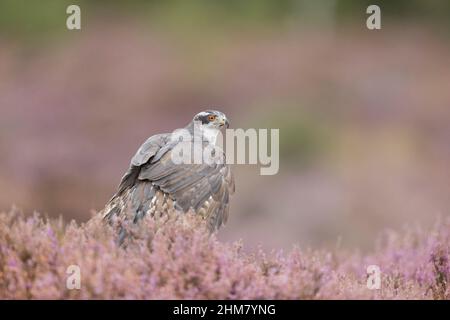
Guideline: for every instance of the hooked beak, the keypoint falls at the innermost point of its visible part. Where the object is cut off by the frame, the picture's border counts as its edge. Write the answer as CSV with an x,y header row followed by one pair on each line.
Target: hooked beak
x,y
224,122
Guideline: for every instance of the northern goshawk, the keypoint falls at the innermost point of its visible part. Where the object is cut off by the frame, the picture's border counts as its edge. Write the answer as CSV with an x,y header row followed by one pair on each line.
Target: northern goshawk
x,y
155,184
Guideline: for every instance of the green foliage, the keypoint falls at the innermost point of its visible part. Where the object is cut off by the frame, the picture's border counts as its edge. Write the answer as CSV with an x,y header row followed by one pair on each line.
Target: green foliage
x,y
28,18
47,17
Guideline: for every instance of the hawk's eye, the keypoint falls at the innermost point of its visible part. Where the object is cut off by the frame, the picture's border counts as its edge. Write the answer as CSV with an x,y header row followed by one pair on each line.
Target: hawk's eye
x,y
211,117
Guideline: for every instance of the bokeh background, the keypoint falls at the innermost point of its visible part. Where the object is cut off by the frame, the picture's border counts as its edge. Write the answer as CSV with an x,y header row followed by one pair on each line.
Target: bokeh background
x,y
364,116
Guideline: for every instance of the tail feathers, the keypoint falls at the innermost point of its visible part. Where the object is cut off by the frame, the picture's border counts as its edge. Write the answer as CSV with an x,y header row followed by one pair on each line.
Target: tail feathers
x,y
141,199
131,204
112,208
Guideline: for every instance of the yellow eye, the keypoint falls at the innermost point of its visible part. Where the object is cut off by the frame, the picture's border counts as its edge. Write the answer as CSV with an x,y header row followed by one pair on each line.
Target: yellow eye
x,y
211,118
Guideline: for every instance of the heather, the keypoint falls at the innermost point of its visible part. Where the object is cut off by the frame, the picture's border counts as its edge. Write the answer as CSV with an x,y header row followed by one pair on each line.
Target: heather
x,y
175,258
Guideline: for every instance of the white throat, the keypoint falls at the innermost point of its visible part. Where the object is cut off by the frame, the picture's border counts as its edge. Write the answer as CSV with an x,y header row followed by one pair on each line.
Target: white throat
x,y
210,134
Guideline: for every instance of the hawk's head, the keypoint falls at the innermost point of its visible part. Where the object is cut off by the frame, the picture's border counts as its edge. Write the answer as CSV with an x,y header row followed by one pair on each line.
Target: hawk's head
x,y
212,119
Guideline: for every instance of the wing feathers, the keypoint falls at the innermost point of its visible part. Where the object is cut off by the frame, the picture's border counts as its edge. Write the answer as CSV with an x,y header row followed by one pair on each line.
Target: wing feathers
x,y
202,187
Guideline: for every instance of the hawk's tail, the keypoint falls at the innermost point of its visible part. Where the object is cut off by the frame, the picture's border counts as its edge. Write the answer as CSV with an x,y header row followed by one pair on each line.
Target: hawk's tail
x,y
130,205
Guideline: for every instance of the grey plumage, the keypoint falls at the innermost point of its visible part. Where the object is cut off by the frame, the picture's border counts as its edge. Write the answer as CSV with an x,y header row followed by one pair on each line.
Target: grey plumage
x,y
154,184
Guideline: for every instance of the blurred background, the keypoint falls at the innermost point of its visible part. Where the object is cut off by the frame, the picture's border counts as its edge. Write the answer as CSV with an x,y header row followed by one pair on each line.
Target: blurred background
x,y
364,116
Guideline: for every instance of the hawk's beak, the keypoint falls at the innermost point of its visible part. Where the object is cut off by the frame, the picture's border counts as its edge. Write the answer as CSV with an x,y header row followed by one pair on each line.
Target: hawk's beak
x,y
224,122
